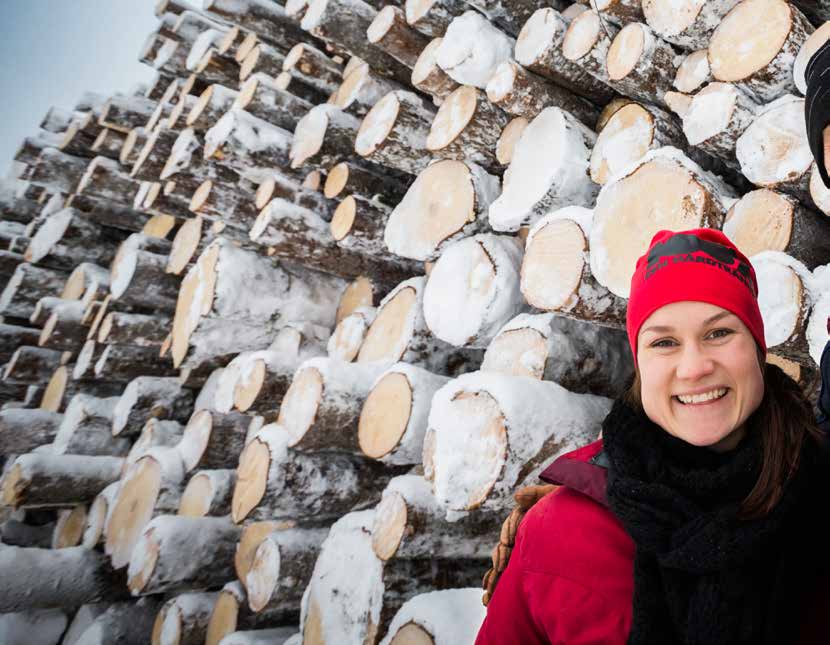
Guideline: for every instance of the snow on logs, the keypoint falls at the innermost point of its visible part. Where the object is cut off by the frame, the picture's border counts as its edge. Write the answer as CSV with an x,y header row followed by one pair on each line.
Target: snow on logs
x,y
505,440
323,137
438,617
472,48
544,175
184,619
208,493
22,430
213,440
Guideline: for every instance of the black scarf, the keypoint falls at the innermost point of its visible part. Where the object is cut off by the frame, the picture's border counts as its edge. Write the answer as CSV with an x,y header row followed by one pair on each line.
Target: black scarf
x,y
701,576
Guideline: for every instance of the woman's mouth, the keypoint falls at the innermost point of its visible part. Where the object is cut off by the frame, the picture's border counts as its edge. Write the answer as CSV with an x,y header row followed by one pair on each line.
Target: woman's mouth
x,y
701,400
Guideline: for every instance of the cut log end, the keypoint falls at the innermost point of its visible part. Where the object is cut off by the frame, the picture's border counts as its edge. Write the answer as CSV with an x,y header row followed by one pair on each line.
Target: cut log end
x,y
377,124
385,415
412,634
337,179
453,116
508,139
300,404
761,220
133,509
631,124
196,497
625,51
359,293
141,572
200,196
252,478
581,36
55,388
389,525
387,334
343,219
263,575
553,265
223,620
247,390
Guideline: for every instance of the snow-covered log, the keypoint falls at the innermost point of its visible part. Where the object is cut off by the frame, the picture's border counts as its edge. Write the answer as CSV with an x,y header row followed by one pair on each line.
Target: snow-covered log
x,y
467,127
133,329
213,440
130,623
267,19
123,113
773,150
212,104
87,282
125,362
69,237
324,136
345,341
86,428
680,196
151,486
472,48
400,333
428,77
432,17
586,43
394,132
22,430
275,482
504,440
544,175
351,178
32,364
183,620
313,67
556,274
322,406
69,528
764,220
245,143
438,618
755,46
155,434
177,553
409,523
688,23
640,64
582,357
63,329
57,481
97,515
44,578
138,277
262,59
390,32
231,613
208,493
260,97
446,201
148,397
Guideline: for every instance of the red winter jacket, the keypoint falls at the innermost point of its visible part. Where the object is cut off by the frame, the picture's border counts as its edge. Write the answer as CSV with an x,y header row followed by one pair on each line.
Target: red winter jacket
x,y
570,576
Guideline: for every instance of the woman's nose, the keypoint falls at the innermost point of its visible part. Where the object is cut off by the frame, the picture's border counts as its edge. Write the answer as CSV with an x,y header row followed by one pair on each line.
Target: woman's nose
x,y
693,363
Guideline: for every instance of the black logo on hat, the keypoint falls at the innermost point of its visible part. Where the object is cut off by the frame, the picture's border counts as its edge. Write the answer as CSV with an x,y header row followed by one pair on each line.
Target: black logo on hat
x,y
685,247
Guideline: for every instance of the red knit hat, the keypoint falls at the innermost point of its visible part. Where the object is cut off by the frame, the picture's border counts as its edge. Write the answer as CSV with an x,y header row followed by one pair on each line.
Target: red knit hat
x,y
701,265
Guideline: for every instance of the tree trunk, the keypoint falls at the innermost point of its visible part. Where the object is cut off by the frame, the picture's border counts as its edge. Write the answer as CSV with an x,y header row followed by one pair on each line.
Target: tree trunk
x,y
314,68
125,362
23,430
261,98
212,104
390,32
213,440
138,274
208,494
27,285
348,336
85,429
32,364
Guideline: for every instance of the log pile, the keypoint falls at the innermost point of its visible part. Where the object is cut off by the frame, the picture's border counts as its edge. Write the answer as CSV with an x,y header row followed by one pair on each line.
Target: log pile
x,y
304,307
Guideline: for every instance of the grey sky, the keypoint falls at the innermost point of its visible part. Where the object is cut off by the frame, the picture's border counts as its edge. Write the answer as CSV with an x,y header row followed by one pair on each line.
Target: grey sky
x,y
54,50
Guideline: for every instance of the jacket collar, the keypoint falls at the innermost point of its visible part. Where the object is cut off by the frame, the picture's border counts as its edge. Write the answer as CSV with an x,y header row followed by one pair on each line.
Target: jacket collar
x,y
583,470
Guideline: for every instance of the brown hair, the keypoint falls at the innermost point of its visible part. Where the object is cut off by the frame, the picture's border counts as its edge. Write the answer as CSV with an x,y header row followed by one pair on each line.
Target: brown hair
x,y
785,419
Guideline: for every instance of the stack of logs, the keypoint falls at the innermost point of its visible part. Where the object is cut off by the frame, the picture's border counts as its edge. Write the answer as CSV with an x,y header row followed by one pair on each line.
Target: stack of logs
x,y
284,331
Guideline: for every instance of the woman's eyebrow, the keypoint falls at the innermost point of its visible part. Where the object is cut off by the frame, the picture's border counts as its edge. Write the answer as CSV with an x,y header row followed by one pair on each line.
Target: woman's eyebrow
x,y
661,329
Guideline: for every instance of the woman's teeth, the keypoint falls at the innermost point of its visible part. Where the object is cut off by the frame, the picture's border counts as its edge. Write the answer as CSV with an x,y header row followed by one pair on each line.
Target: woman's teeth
x,y
701,398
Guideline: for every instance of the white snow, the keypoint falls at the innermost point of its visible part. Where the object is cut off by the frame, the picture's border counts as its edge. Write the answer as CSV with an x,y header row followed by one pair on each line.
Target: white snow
x,y
618,144
200,46
467,296
710,112
472,49
537,35
452,617
777,291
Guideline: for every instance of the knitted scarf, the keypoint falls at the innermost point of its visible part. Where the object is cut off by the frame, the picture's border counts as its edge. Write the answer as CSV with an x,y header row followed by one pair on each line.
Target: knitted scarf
x,y
701,576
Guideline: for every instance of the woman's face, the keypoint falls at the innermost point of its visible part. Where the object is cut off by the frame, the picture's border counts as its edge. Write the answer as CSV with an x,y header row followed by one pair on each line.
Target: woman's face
x,y
699,350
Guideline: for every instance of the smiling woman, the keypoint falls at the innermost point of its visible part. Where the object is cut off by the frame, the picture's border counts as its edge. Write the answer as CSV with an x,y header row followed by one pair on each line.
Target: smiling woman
x,y
701,496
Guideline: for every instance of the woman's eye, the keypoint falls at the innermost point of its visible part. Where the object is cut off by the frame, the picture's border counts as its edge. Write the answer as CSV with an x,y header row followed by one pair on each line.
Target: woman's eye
x,y
659,343
725,333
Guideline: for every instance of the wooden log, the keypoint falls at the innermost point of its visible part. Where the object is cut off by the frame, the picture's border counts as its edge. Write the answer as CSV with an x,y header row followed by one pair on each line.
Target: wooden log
x,y
394,132
477,314
57,171
432,617
343,23
522,93
58,481
27,285
56,120
129,623
688,24
562,350
97,517
432,17
183,620
787,336
138,276
260,97
390,32
212,104
266,19
70,527
109,143
213,440
639,64
16,209
556,274
537,181
265,490
209,39
472,48
763,66
410,524
693,72
211,289
350,178
445,202
359,225
628,134
18,533
177,553
348,336
125,362
32,364
152,152
248,144
104,179
299,88
763,220
133,329
539,49
773,150
13,336
214,68
23,430
63,329
208,494
313,67
85,428
512,15
55,578
466,127
231,41
281,568
151,486
80,136
291,230
123,113
321,409
30,147
489,404
620,230
108,213
392,583
219,202
323,137
262,59
586,43
393,419
361,89
155,434
232,613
